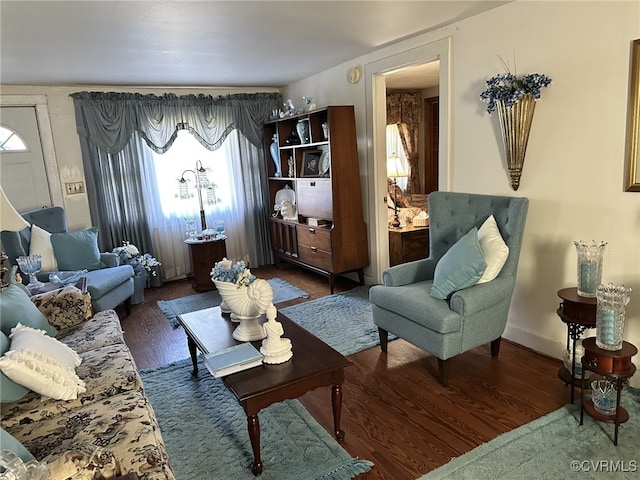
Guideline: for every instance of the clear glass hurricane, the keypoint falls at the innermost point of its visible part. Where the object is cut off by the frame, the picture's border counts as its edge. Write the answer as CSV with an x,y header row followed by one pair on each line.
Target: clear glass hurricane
x,y
31,265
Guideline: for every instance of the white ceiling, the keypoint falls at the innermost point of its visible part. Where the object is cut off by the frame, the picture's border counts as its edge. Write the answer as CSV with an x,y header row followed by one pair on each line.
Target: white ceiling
x,y
203,43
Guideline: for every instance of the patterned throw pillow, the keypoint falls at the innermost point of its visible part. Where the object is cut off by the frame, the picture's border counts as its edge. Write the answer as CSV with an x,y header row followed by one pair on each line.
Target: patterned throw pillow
x,y
65,307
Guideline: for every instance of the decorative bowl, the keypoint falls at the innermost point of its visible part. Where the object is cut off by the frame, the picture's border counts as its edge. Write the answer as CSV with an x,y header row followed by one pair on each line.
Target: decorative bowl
x,y
603,394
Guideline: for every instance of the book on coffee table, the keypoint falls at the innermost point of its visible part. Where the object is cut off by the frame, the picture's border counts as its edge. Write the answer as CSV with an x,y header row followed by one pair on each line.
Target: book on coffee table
x,y
232,359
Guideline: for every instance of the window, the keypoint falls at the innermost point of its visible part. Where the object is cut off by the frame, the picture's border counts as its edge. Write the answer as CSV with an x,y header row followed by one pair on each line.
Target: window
x,y
10,141
183,155
394,145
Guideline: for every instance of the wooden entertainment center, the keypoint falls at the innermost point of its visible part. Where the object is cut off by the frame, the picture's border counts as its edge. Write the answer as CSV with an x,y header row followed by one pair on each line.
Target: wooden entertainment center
x,y
325,232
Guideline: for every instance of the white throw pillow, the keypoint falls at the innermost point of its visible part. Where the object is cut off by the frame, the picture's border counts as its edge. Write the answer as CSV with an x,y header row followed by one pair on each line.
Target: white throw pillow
x,y
494,250
41,244
42,364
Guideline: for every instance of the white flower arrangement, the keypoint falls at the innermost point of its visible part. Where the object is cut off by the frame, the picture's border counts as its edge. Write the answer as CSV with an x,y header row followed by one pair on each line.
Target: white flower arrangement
x,y
226,271
129,254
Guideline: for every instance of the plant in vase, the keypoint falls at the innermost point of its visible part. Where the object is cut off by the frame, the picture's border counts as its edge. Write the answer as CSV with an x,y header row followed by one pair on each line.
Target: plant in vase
x,y
144,266
515,99
244,296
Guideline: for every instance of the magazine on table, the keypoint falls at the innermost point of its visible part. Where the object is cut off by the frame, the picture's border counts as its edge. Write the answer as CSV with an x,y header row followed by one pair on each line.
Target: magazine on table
x,y
233,359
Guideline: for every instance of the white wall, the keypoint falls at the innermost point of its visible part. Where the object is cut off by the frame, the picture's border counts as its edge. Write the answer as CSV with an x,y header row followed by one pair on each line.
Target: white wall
x,y
573,173
65,138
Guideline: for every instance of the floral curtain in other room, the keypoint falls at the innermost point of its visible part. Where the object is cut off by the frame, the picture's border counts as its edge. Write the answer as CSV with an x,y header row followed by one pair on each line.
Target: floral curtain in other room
x,y
405,110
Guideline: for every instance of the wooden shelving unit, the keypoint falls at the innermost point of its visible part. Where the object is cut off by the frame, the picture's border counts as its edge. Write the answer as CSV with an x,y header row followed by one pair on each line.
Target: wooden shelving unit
x,y
327,190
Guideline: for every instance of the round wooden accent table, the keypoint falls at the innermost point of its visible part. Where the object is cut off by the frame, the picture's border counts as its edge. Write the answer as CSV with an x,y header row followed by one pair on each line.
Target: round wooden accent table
x,y
616,366
578,313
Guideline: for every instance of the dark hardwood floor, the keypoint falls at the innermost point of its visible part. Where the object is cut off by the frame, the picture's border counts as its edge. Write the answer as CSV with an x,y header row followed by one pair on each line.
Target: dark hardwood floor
x,y
394,411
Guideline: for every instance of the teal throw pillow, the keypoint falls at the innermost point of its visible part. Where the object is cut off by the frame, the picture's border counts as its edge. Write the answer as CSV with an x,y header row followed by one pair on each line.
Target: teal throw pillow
x,y
10,442
16,307
461,267
77,250
10,391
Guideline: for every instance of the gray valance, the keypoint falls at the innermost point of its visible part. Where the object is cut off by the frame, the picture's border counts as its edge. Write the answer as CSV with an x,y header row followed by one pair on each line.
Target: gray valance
x,y
108,119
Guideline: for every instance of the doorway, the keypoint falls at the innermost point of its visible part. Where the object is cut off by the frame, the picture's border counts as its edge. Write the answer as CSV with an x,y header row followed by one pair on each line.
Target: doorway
x,y
30,113
22,172
377,76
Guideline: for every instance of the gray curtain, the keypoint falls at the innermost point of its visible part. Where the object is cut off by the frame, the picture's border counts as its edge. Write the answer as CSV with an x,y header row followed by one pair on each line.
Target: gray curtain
x,y
112,127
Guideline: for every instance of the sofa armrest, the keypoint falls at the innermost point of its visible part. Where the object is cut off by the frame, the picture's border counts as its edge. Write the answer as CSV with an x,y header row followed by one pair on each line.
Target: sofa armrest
x,y
110,260
481,296
410,272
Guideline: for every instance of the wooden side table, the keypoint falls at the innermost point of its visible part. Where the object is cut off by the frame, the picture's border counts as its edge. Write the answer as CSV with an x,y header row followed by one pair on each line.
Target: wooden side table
x,y
578,313
612,364
204,254
407,244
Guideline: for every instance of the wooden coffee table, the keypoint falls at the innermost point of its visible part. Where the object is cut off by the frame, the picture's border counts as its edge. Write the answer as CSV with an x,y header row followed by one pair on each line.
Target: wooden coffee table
x,y
314,364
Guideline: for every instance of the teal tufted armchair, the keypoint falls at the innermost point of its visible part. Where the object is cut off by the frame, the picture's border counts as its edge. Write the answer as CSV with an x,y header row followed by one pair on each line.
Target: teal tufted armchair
x,y
468,318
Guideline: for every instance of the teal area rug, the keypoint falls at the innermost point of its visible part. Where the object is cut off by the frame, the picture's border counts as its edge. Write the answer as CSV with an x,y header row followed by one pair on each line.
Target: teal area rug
x,y
555,447
343,320
205,429
205,432
282,291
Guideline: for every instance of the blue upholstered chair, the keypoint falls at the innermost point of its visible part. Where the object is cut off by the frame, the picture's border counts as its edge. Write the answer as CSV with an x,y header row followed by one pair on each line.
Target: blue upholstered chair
x,y
109,286
468,317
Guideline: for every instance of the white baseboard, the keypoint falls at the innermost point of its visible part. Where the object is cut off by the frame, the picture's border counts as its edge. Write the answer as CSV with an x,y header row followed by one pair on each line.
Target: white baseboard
x,y
552,348
532,340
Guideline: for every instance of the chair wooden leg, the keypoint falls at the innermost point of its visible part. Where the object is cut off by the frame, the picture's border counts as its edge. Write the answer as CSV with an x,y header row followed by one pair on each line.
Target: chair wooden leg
x,y
495,347
384,337
443,371
127,306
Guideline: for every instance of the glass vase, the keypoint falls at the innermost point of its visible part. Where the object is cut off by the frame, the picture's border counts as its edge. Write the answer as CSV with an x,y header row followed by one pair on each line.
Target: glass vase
x,y
604,396
567,359
610,312
31,265
303,131
589,266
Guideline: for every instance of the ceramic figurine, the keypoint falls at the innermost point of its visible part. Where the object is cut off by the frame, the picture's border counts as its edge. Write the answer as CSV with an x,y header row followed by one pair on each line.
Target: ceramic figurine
x,y
274,348
275,154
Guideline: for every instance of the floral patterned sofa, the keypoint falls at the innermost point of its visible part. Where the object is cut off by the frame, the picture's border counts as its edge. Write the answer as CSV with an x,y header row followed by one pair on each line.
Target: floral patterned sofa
x,y
111,428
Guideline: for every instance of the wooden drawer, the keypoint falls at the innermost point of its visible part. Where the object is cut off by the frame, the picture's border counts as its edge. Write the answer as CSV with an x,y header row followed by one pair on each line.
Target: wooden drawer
x,y
314,198
314,246
314,237
607,362
316,257
408,244
417,244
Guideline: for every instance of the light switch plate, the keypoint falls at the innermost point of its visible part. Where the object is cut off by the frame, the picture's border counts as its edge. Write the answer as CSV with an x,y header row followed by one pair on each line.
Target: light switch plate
x,y
73,188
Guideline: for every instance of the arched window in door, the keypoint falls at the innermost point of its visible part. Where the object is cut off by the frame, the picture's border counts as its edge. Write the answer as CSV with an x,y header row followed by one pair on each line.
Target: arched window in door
x,y
11,141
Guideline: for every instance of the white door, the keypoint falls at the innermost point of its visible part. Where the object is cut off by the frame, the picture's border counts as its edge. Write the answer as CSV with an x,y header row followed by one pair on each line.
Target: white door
x,y
22,173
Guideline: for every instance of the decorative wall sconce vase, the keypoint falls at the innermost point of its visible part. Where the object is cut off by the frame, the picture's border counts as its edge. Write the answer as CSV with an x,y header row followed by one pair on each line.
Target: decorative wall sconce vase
x,y
515,125
515,99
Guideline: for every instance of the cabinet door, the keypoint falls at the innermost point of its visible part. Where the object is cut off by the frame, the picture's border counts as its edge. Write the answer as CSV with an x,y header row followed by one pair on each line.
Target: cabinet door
x,y
314,198
283,238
